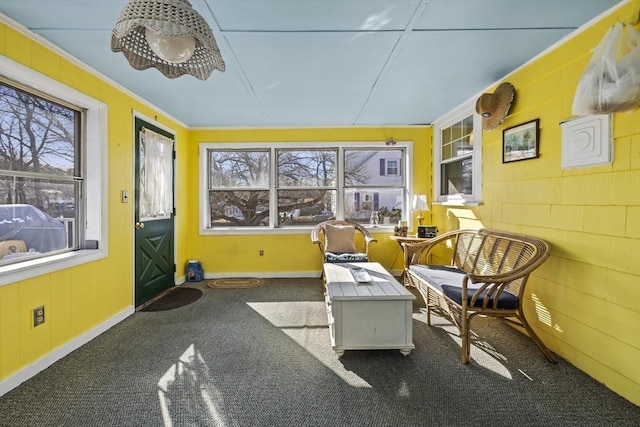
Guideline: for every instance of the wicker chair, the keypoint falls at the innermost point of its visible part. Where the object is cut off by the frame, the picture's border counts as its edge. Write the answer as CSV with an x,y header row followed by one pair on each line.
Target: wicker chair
x,y
465,273
338,241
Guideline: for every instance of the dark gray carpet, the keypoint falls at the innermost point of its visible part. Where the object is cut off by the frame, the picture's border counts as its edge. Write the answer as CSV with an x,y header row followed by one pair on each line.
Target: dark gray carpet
x,y
262,357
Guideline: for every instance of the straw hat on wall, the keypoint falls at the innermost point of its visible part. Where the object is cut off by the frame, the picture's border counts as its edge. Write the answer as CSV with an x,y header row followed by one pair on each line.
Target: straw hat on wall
x,y
493,107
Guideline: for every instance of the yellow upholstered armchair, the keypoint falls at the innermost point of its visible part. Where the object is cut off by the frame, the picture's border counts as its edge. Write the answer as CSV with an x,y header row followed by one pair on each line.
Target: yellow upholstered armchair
x,y
342,241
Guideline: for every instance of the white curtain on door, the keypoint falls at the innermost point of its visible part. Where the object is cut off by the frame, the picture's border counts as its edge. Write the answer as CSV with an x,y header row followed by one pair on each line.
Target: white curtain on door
x,y
156,175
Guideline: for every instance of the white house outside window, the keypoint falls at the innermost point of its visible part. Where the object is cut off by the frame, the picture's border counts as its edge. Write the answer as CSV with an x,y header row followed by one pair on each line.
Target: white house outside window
x,y
373,182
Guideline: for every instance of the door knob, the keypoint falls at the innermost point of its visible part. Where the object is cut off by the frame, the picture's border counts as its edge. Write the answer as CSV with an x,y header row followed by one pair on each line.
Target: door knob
x,y
139,225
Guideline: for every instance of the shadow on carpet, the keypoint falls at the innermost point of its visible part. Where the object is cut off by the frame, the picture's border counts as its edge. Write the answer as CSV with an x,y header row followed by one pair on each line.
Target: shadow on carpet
x,y
177,297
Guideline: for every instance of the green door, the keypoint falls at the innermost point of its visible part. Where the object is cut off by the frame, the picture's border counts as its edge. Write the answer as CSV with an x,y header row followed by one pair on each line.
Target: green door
x,y
154,211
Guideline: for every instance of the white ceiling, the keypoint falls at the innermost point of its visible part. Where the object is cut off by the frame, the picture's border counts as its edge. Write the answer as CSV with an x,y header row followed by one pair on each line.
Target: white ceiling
x,y
324,62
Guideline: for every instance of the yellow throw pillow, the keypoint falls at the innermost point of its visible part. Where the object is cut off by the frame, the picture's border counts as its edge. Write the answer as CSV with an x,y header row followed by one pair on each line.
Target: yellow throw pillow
x,y
340,238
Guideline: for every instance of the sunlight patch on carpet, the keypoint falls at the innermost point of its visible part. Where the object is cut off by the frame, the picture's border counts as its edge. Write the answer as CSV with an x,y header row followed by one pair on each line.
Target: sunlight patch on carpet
x,y
305,322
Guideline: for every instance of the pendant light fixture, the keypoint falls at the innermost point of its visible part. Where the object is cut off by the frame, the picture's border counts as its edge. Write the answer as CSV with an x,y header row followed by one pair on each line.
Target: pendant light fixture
x,y
168,35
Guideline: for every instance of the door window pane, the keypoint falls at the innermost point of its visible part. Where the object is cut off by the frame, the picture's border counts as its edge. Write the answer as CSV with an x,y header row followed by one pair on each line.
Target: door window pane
x,y
156,176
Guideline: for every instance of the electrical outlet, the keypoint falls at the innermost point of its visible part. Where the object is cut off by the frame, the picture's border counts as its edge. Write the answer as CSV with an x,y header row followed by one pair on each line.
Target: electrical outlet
x,y
261,252
38,316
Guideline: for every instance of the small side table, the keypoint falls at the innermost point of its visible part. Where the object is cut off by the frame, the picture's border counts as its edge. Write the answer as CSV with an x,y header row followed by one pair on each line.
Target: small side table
x,y
407,239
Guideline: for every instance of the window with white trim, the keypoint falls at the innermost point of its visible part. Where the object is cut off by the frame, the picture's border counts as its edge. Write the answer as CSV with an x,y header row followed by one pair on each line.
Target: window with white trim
x,y
51,205
458,155
249,186
41,180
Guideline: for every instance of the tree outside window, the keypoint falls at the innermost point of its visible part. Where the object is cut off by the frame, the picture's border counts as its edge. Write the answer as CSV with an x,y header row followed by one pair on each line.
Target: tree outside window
x,y
307,183
40,175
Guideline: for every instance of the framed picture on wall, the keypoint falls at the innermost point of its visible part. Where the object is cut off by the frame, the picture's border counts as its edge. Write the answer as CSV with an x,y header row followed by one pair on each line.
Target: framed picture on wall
x,y
521,142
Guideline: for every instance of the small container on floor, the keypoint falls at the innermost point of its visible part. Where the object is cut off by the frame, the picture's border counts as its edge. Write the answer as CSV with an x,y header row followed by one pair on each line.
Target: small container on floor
x,y
194,271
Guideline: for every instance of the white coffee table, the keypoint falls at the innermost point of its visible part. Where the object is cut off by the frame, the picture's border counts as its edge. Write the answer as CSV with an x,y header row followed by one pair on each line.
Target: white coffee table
x,y
367,316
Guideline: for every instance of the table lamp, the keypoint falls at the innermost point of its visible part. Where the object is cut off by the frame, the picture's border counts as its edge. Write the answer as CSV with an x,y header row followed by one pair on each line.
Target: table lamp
x,y
420,204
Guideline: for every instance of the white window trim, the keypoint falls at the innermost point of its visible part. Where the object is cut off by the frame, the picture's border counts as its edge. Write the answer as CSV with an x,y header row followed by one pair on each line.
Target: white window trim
x,y
455,115
203,181
95,152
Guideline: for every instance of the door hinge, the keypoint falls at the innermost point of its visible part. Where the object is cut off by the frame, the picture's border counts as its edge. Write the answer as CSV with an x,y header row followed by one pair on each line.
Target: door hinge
x,y
175,268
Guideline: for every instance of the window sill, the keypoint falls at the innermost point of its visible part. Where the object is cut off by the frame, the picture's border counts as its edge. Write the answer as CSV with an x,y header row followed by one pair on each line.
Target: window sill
x,y
303,229
458,203
38,267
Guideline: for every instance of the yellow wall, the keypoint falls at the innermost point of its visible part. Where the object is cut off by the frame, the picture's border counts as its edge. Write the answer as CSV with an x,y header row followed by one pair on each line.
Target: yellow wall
x,y
584,299
79,299
239,254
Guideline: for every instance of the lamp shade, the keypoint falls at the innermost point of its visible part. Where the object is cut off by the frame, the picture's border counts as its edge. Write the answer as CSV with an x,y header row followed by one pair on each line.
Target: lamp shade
x,y
168,35
420,202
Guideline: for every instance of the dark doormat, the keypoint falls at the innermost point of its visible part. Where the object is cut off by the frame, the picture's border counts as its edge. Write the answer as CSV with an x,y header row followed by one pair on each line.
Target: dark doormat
x,y
176,297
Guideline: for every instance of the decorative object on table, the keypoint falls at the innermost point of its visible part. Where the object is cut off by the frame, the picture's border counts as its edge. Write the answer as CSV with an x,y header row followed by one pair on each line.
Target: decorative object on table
x,y
168,35
374,219
384,215
586,141
494,107
611,81
420,204
427,231
395,215
520,142
401,229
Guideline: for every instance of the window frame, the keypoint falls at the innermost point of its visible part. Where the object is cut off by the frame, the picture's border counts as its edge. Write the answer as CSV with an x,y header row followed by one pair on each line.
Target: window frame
x,y
273,227
93,152
461,112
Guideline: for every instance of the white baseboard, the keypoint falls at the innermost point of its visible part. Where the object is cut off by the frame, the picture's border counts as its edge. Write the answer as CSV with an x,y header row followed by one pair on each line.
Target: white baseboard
x,y
266,275
277,274
43,363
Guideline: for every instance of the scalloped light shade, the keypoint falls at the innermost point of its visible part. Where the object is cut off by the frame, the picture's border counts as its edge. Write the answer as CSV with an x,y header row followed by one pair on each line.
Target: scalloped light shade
x,y
168,35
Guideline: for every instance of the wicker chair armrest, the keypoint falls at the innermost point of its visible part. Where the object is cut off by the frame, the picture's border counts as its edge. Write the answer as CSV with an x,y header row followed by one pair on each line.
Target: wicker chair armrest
x,y
315,238
414,252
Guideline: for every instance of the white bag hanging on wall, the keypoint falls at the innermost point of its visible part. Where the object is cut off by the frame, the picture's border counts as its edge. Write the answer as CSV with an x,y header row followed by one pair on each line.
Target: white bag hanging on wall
x,y
611,81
